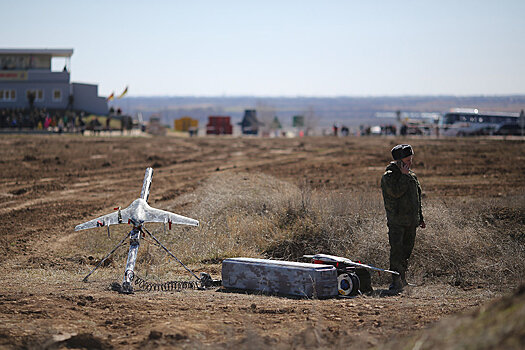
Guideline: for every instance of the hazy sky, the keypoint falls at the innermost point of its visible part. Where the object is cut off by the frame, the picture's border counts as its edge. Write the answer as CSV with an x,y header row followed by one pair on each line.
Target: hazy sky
x,y
281,48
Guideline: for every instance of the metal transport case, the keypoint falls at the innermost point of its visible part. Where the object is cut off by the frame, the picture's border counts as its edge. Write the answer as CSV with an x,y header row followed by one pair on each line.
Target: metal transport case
x,y
280,277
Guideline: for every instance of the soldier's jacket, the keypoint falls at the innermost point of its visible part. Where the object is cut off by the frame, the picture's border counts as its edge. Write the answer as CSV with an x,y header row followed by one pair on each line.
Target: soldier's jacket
x,y
402,197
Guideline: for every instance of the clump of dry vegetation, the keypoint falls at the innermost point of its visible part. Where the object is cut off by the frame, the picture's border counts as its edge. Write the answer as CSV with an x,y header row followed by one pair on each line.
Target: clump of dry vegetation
x,y
497,325
466,243
473,242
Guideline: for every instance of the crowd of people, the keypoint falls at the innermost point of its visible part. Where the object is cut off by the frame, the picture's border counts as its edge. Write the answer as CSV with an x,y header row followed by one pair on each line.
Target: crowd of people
x,y
18,119
42,119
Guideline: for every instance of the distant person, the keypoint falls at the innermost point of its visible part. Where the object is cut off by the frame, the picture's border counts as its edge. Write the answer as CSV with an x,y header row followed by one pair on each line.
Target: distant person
x,y
403,130
402,199
95,125
81,124
60,125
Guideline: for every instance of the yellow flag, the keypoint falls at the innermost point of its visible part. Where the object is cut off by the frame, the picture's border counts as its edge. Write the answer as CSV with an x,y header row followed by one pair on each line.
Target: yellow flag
x,y
123,92
111,97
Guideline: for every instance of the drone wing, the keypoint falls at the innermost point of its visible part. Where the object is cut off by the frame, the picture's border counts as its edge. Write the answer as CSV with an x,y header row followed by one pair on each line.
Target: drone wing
x,y
105,220
158,215
137,213
334,259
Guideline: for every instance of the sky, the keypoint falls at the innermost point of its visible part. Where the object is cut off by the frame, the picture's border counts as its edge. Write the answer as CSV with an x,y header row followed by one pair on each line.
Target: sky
x,y
280,48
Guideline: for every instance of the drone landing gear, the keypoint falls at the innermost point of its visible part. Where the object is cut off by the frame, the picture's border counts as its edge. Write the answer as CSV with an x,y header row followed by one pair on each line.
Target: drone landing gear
x,y
106,257
205,281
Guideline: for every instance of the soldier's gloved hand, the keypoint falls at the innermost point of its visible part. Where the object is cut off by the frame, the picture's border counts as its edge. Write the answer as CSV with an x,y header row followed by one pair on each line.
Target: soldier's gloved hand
x,y
422,224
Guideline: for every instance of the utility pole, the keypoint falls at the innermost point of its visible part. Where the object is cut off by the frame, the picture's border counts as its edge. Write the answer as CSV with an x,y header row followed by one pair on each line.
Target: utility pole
x,y
398,118
522,121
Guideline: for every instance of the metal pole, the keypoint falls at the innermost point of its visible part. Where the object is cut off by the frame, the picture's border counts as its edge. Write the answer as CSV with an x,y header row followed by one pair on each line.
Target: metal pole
x,y
107,256
134,242
522,121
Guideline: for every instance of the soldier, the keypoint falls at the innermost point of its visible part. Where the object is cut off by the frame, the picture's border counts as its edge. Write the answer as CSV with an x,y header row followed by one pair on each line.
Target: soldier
x,y
402,198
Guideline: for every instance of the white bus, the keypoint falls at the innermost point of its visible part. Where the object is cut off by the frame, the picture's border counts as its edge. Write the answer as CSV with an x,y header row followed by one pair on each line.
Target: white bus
x,y
465,122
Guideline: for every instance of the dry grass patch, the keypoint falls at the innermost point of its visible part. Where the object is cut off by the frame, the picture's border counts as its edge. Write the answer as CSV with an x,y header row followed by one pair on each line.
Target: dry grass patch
x,y
466,243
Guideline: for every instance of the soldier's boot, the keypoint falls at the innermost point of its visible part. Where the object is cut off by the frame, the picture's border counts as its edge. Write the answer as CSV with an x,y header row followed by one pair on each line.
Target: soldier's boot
x,y
402,275
404,282
397,284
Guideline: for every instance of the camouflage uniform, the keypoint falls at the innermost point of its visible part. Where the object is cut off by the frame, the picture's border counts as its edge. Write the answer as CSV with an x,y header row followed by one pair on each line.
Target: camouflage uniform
x,y
402,198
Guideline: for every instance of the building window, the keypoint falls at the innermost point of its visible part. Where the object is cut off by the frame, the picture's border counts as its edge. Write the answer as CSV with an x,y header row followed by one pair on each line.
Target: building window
x,y
7,95
39,94
57,95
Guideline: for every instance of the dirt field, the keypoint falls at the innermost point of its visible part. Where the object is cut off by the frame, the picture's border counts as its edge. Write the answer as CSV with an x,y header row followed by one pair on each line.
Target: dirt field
x,y
49,184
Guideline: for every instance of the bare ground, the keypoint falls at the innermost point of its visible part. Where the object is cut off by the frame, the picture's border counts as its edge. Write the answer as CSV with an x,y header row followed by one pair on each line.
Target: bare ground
x,y
48,184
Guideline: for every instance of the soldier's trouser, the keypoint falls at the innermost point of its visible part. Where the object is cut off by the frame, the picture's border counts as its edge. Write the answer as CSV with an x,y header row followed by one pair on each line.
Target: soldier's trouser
x,y
401,240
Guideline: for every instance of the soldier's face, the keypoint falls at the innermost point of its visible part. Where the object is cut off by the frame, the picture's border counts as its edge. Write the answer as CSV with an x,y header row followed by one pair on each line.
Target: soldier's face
x,y
408,160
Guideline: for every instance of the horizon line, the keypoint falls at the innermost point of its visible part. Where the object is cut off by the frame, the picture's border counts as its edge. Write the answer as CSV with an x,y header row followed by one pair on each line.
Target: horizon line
x,y
521,95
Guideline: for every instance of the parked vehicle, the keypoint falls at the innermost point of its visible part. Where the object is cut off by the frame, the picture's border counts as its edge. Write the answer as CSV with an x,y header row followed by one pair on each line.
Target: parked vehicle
x,y
508,129
461,122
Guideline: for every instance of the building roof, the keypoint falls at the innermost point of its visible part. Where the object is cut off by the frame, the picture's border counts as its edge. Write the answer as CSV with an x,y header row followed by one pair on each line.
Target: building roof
x,y
50,52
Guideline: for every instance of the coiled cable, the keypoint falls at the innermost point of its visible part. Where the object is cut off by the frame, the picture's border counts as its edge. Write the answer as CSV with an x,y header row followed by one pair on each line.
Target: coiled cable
x,y
164,286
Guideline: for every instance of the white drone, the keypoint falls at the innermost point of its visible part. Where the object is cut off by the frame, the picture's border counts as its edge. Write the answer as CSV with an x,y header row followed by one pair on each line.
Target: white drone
x,y
138,213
